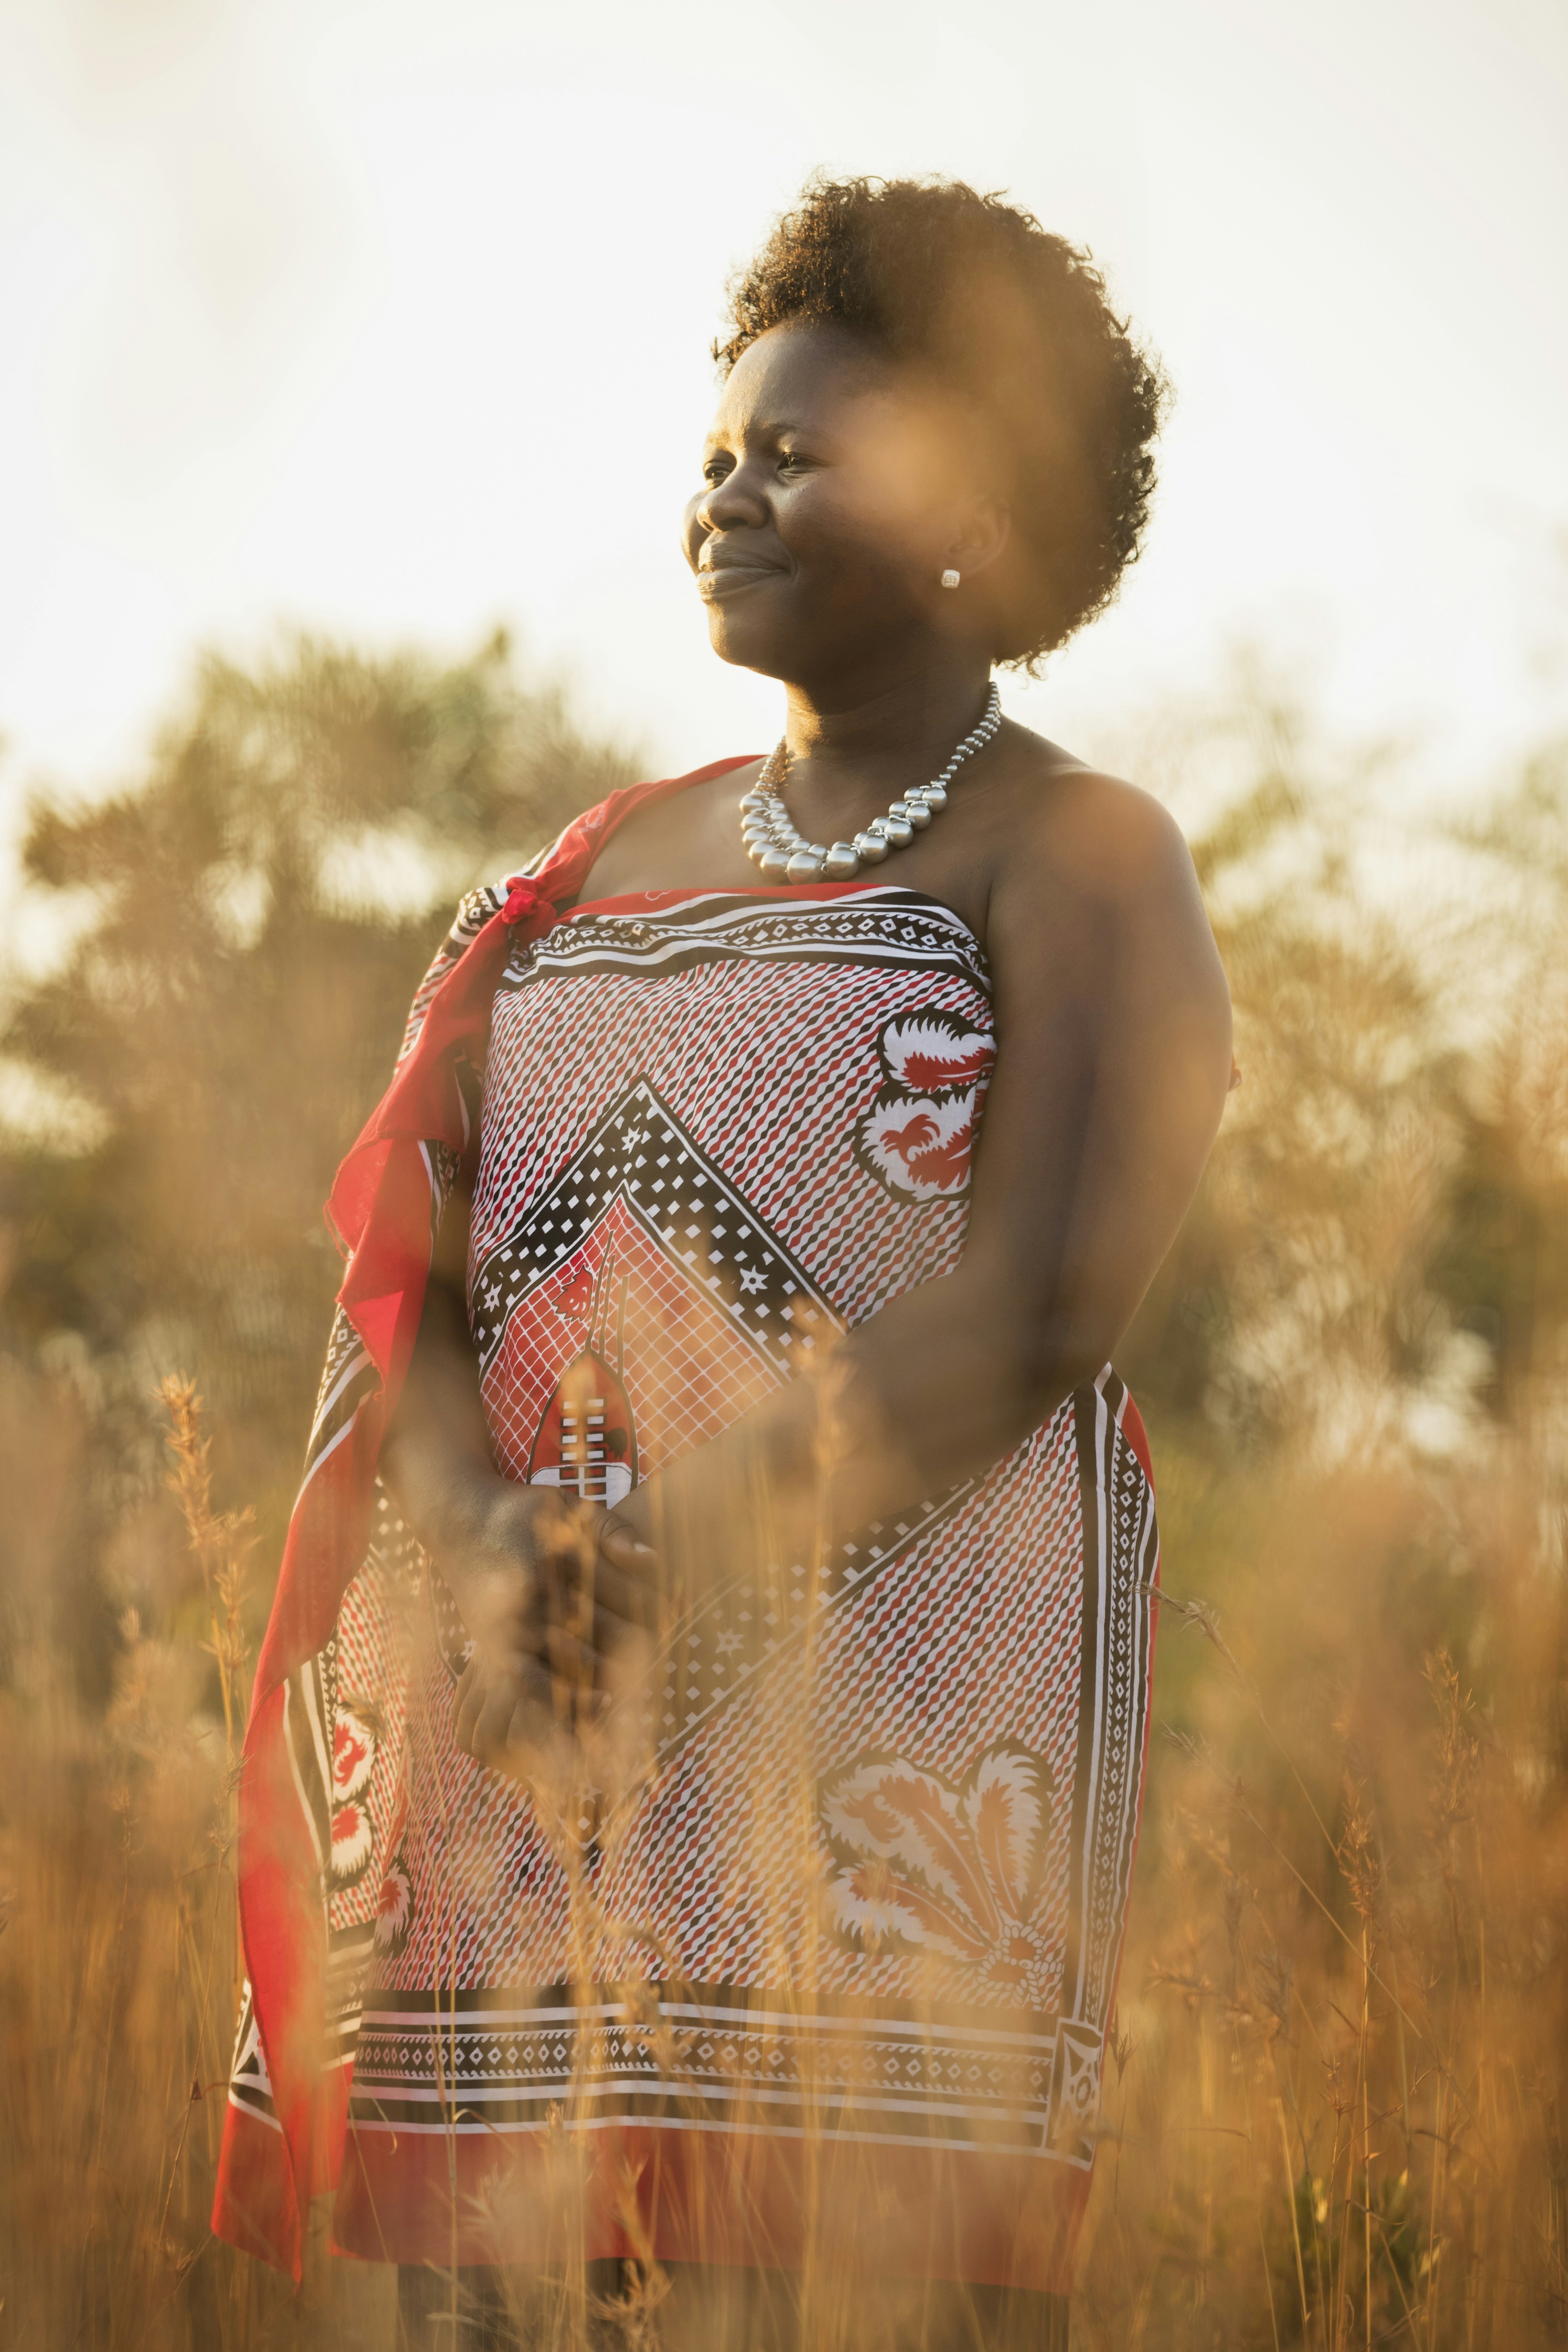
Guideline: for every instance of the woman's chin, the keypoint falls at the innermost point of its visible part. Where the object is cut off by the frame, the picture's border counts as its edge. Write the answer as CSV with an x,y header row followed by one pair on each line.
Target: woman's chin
x,y
748,648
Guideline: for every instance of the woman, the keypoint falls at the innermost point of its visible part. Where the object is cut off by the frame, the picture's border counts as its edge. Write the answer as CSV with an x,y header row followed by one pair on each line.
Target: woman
x,y
723,1764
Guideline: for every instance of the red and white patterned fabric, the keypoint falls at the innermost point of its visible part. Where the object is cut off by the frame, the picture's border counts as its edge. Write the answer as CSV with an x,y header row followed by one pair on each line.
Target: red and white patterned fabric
x,y
828,1977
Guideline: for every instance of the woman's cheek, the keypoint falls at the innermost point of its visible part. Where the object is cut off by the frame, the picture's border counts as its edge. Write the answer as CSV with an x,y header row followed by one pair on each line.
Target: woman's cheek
x,y
843,534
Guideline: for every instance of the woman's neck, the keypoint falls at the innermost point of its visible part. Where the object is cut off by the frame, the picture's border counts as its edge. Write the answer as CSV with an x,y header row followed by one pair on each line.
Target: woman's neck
x,y
910,724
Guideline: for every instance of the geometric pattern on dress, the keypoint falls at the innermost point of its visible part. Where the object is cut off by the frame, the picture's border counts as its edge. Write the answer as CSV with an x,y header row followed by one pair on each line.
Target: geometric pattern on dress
x,y
565,1042
348,1376
638,1155
1010,1625
711,2056
943,1655
249,2084
886,925
713,1823
474,911
896,1664
686,1366
344,1713
369,1708
1114,1686
707,1309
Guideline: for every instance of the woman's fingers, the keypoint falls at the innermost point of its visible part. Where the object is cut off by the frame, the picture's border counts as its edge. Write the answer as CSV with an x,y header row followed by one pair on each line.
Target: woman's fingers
x,y
575,1662
628,1549
552,1645
489,1700
574,1547
492,1725
629,1597
501,1711
586,1673
504,1719
596,1586
467,1704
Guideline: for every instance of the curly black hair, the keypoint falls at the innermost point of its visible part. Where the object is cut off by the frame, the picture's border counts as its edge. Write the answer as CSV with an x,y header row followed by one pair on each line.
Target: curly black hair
x,y
971,291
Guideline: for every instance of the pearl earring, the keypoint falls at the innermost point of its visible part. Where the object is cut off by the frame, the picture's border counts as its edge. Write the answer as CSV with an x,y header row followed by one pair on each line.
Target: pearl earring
x,y
950,579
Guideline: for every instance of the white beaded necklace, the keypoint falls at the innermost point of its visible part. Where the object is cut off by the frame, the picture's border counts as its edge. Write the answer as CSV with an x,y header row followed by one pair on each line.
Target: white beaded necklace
x,y
776,843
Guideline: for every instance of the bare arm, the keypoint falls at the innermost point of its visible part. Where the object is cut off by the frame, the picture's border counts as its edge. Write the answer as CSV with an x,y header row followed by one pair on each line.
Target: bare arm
x,y
1114,1023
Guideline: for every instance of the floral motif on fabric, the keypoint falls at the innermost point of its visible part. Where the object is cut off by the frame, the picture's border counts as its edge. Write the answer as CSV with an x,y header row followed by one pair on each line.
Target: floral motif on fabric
x,y
353,1759
918,1136
394,1911
954,1874
354,1754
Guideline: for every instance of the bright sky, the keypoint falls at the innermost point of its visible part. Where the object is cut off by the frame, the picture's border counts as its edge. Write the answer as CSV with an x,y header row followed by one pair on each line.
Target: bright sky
x,y
390,317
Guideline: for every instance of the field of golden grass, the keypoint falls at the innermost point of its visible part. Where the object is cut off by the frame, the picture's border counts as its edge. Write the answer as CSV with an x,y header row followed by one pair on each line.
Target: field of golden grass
x,y
1333,2114
1336,2111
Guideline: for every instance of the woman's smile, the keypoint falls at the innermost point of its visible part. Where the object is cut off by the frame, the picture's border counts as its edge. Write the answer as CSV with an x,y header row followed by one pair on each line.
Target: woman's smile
x,y
723,571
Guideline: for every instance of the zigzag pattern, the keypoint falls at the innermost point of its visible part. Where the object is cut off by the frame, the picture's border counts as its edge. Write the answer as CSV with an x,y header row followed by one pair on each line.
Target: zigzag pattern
x,y
637,1147
673,1178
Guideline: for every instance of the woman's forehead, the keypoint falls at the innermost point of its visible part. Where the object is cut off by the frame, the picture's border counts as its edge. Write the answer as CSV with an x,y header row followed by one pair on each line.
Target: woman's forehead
x,y
799,376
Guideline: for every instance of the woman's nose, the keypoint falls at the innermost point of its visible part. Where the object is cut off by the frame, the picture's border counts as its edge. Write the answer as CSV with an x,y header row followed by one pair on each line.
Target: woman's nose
x,y
731,504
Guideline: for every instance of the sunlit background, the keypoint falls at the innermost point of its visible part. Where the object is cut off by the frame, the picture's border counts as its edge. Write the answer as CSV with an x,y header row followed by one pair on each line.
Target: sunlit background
x,y
335,337
393,318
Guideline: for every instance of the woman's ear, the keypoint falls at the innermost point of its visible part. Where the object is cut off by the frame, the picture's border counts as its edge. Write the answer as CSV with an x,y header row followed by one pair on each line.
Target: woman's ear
x,y
984,528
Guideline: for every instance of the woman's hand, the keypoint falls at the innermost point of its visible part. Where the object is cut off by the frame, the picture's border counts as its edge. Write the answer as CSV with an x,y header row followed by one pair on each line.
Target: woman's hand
x,y
557,1595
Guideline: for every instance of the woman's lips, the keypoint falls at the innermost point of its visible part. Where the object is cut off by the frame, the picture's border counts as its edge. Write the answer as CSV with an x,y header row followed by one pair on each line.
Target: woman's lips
x,y
732,578
724,575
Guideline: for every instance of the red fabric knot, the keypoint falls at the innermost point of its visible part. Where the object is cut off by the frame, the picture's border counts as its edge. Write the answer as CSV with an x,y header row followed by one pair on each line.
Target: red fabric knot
x,y
525,899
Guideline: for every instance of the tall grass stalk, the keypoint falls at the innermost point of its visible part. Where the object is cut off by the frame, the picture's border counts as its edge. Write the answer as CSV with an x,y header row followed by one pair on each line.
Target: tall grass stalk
x,y
1339,2115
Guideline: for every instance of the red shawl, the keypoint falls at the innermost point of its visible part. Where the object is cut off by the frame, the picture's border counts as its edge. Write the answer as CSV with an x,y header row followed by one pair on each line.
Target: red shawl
x,y
380,1213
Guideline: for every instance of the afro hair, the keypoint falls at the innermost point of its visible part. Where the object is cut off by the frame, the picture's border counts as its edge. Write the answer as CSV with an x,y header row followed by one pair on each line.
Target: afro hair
x,y
970,291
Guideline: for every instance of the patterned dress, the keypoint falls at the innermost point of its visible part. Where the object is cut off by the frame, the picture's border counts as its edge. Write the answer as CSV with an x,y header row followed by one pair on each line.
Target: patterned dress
x,y
826,1975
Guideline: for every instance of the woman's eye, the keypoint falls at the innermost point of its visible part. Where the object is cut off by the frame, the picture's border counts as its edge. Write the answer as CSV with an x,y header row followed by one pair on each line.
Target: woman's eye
x,y
794,459
714,471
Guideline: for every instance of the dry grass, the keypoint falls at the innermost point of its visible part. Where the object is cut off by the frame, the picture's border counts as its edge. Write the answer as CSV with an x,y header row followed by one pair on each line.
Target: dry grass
x,y
1340,2119
1335,2116
118,1973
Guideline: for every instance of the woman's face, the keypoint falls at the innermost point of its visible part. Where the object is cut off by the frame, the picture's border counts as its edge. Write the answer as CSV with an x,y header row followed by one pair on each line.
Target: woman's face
x,y
835,493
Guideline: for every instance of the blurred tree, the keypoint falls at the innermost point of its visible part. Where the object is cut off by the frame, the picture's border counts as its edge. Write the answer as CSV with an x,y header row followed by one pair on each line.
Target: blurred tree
x,y
1501,1260
249,920
1377,1259
1379,1250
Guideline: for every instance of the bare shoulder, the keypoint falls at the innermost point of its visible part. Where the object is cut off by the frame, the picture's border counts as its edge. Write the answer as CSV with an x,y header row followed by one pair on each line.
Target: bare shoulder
x,y
1075,828
1092,886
